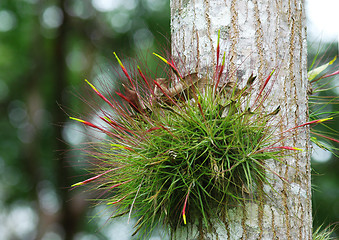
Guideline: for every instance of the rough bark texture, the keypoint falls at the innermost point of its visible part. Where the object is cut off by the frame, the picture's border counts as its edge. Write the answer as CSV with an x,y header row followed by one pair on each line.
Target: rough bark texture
x,y
257,36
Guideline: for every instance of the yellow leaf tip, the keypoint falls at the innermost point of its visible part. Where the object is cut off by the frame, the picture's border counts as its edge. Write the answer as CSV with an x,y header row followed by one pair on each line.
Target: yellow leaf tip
x,y
77,119
184,217
116,56
325,119
163,59
333,60
77,184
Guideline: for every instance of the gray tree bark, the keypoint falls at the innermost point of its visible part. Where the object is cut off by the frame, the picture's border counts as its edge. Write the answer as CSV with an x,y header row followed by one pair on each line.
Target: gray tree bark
x,y
257,36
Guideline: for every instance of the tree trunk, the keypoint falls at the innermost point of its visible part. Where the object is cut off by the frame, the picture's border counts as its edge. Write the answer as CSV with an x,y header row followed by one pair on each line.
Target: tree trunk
x,y
257,36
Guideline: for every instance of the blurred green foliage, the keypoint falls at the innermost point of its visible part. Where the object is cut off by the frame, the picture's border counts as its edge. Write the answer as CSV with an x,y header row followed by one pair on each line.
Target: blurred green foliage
x,y
47,48
325,178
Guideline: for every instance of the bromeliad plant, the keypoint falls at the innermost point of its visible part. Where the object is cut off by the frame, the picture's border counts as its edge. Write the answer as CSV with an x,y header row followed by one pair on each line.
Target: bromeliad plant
x,y
178,150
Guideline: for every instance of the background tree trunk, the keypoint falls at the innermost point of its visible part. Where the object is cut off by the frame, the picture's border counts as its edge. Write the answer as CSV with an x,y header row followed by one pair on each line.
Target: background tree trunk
x,y
257,36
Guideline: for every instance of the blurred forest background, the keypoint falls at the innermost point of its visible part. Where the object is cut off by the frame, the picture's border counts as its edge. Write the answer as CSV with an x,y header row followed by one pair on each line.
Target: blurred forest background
x,y
47,49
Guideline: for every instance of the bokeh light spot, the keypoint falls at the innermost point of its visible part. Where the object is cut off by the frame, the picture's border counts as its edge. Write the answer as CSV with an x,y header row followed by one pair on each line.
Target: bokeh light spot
x,y
22,219
130,4
106,5
320,155
155,5
143,38
52,17
48,198
322,19
72,133
17,113
7,20
121,22
79,8
76,61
